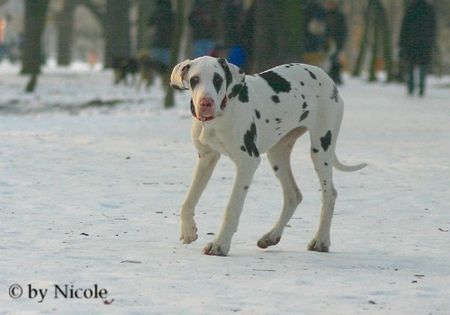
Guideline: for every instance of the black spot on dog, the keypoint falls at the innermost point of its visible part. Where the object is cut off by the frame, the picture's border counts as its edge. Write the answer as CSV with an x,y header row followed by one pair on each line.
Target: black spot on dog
x,y
226,69
194,81
302,83
249,141
276,82
245,187
243,94
243,148
275,99
193,109
278,120
278,128
312,75
303,96
326,164
275,168
236,90
258,114
304,105
267,121
326,140
217,81
240,90
320,83
334,95
304,115
315,150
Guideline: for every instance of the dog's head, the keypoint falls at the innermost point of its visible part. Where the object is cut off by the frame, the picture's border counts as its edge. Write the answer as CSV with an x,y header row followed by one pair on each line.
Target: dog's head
x,y
210,80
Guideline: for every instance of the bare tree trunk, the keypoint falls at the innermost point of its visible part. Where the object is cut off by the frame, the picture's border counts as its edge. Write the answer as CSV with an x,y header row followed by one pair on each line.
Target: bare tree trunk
x,y
65,32
386,32
364,41
440,53
145,9
292,39
169,100
186,38
375,45
117,30
265,39
35,15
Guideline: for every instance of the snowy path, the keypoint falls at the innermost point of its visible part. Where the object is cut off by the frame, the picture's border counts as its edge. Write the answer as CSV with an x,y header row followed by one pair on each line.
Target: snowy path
x,y
91,197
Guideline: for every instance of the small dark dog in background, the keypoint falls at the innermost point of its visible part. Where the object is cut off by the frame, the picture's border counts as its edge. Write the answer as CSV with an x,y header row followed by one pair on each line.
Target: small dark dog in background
x,y
148,68
124,67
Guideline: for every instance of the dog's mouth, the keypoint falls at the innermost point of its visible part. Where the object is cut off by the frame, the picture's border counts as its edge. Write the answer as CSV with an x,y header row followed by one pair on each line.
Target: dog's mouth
x,y
205,116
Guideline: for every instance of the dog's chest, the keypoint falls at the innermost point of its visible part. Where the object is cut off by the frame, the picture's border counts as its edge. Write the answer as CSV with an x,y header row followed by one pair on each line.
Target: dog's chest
x,y
216,139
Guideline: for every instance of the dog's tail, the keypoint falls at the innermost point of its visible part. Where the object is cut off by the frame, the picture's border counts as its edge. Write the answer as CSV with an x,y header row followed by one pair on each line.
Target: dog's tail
x,y
347,168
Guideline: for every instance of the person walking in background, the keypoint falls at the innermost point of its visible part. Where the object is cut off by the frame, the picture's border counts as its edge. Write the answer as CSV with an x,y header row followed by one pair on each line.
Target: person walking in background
x,y
161,23
336,34
417,38
202,25
2,38
233,27
314,28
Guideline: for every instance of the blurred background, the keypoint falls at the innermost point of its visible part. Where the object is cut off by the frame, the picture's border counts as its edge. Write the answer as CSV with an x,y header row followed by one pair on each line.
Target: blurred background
x,y
358,36
96,157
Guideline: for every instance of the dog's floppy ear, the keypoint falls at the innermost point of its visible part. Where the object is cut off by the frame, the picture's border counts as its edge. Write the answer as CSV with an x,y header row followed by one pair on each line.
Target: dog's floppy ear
x,y
233,75
178,76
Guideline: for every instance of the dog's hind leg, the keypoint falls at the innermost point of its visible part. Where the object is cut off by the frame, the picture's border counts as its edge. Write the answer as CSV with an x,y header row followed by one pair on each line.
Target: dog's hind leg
x,y
322,154
279,158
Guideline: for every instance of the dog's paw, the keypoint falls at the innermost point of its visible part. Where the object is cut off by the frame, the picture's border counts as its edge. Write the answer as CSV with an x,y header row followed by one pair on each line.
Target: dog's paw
x,y
216,249
268,239
188,232
319,245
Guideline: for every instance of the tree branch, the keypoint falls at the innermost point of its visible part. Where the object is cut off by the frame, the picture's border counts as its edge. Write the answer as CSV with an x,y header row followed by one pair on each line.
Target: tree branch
x,y
95,10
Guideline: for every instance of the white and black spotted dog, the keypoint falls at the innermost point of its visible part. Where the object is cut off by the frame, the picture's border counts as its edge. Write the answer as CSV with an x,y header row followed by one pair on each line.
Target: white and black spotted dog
x,y
242,116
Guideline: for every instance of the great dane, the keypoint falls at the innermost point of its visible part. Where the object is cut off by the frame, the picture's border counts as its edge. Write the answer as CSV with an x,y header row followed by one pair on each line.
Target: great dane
x,y
242,116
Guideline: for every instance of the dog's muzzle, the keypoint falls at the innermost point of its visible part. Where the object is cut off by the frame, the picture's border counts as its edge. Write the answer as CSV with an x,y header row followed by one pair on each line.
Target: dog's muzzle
x,y
207,109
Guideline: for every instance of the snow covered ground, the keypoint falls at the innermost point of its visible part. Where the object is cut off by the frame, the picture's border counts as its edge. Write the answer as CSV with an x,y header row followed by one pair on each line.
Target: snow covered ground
x,y
92,176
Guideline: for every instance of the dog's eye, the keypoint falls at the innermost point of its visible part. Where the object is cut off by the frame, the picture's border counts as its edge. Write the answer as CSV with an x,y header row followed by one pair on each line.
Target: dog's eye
x,y
217,81
194,81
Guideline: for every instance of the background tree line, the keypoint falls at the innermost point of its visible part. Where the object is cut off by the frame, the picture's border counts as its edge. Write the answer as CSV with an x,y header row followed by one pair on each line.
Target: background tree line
x,y
274,31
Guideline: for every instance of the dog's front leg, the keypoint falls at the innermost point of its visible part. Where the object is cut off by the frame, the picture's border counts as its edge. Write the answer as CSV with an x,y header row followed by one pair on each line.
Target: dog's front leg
x,y
202,173
244,175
